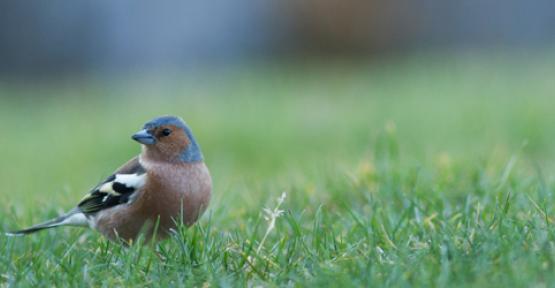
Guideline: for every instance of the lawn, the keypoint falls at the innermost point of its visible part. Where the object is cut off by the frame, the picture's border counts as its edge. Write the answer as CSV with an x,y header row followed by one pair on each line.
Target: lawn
x,y
427,171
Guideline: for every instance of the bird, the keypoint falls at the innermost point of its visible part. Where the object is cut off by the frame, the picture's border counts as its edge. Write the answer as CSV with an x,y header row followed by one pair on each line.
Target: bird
x,y
166,185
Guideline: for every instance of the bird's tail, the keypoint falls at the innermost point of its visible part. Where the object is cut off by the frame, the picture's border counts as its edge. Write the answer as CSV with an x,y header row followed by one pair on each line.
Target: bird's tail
x,y
72,218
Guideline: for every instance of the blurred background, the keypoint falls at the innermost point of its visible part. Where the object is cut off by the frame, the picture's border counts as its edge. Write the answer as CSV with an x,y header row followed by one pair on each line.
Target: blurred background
x,y
61,37
274,90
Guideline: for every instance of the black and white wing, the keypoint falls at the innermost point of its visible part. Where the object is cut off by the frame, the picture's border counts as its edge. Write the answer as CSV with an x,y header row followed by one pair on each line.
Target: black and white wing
x,y
117,189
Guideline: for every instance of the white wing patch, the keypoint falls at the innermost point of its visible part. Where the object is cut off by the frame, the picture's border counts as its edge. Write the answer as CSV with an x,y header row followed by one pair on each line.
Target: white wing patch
x,y
134,181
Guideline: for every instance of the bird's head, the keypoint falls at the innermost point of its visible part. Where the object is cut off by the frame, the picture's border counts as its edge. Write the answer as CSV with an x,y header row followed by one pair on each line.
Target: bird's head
x,y
168,138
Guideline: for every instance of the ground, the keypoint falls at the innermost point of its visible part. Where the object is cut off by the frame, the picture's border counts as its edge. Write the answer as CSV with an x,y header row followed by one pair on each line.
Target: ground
x,y
418,171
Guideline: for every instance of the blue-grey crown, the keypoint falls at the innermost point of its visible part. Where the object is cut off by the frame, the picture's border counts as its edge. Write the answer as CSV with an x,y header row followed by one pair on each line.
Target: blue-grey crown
x,y
192,153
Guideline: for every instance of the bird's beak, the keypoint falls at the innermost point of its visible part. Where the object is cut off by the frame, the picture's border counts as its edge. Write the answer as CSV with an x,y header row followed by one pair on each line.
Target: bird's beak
x,y
144,137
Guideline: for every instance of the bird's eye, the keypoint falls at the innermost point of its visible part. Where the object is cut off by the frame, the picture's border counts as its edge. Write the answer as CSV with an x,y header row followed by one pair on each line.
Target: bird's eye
x,y
166,132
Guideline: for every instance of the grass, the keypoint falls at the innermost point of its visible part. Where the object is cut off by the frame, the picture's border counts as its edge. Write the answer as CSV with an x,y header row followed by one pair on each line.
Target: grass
x,y
426,171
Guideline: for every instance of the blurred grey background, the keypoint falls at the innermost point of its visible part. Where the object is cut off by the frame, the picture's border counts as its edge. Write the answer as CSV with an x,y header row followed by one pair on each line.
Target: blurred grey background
x,y
63,37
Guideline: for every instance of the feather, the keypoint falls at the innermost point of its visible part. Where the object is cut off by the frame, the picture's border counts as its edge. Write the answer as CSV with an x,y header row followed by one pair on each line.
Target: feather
x,y
116,189
72,218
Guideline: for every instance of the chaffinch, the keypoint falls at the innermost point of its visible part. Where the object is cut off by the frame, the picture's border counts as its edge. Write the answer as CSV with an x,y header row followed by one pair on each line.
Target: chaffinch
x,y
167,184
